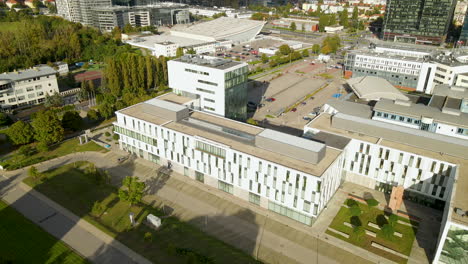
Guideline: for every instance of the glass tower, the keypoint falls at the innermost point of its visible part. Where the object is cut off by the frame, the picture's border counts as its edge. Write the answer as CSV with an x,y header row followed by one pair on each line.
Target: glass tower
x,y
418,21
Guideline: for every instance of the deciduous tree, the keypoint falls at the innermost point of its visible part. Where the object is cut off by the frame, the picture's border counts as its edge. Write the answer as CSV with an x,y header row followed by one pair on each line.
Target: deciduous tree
x,y
132,190
20,133
48,128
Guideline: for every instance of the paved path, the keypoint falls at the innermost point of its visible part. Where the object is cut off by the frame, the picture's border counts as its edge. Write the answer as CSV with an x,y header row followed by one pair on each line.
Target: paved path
x,y
83,237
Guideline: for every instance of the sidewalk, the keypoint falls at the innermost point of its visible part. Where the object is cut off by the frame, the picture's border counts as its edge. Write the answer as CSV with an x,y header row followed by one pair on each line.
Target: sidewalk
x,y
84,238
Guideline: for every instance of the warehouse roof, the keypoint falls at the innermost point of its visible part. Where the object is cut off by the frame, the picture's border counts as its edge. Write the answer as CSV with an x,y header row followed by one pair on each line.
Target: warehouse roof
x,y
372,88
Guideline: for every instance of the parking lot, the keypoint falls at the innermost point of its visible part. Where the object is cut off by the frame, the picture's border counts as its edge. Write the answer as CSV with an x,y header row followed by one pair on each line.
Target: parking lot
x,y
288,98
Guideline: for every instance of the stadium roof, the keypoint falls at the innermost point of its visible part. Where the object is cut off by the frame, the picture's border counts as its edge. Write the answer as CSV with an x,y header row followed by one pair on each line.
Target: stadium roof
x,y
372,88
223,27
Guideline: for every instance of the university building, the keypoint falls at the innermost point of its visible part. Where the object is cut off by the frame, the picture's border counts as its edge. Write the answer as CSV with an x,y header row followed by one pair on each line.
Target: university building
x,y
27,87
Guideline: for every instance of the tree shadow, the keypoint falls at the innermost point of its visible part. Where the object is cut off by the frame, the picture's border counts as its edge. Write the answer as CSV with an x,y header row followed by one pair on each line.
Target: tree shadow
x,y
154,184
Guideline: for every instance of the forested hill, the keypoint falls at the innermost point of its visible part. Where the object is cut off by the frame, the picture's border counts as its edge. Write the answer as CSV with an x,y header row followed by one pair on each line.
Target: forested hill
x,y
26,41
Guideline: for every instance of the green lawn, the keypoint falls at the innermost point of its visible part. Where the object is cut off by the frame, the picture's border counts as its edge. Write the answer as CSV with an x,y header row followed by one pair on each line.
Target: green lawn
x,y
21,241
370,214
16,160
175,242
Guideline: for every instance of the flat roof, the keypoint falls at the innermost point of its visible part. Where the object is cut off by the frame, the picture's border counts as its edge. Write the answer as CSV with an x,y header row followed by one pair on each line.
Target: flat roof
x,y
419,110
297,142
375,88
362,110
223,27
209,61
37,71
139,111
175,98
450,91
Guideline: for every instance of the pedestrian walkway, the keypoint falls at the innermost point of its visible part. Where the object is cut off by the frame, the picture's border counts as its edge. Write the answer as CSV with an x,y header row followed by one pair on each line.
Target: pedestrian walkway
x,y
83,237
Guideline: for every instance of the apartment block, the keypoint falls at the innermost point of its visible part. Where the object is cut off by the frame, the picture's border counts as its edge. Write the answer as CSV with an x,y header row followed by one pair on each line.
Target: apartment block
x,y
219,84
27,87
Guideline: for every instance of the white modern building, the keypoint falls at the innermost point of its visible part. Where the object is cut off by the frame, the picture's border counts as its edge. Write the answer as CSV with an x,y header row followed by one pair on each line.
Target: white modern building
x,y
289,175
409,69
219,84
27,87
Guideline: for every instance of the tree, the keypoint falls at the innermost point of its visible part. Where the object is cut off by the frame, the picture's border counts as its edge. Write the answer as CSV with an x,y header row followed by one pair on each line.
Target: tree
x,y
264,58
284,49
305,53
106,110
48,127
54,100
344,18
387,231
293,26
316,48
5,120
179,52
72,120
42,147
33,172
191,51
372,202
26,150
133,192
355,14
92,115
20,133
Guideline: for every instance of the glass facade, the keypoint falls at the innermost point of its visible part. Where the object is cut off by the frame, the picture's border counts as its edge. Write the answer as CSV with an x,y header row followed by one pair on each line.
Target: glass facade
x,y
254,198
210,149
455,250
236,94
226,187
426,20
283,210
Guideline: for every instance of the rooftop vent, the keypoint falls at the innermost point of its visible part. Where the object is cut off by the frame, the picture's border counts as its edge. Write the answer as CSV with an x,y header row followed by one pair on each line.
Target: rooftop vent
x,y
404,103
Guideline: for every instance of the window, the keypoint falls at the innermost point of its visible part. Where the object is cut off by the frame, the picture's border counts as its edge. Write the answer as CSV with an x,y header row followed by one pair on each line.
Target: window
x,y
210,149
306,207
209,100
254,198
209,108
205,90
225,187
207,82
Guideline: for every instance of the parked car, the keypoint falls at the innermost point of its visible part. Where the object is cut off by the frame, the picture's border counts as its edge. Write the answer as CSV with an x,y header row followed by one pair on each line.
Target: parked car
x,y
303,103
271,99
251,105
306,118
294,109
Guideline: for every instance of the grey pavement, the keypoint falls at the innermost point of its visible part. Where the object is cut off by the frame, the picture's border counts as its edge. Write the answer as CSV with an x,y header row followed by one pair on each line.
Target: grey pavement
x,y
84,238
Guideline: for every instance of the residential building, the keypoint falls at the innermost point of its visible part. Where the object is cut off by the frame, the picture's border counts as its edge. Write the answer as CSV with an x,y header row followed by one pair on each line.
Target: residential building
x,y
27,87
418,21
80,11
219,84
408,68
460,12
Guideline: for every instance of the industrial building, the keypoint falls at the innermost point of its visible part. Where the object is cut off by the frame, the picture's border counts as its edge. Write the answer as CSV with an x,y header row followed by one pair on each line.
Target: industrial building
x,y
418,21
27,87
220,85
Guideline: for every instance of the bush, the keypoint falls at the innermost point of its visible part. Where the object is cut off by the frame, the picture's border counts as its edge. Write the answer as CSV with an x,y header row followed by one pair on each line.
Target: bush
x,y
252,121
393,219
381,220
148,237
351,203
97,209
387,231
171,249
372,202
93,115
26,150
107,134
42,147
115,137
355,221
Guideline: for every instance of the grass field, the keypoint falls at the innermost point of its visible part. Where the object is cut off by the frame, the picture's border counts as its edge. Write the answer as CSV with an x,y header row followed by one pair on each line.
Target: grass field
x,y
21,241
370,214
175,242
16,160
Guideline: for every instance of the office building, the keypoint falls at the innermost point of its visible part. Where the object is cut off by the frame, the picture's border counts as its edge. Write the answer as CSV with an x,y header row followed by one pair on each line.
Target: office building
x,y
409,68
27,87
219,84
103,15
418,21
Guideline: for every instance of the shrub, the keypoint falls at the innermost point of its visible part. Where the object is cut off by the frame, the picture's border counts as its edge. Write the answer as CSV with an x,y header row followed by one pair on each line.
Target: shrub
x,y
148,237
355,221
97,208
372,202
115,137
107,134
26,150
381,220
42,147
171,249
351,203
393,219
34,173
387,231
